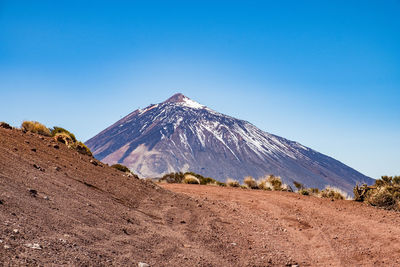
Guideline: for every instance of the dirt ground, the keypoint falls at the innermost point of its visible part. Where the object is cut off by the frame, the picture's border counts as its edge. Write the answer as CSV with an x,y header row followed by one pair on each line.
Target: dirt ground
x,y
58,207
307,230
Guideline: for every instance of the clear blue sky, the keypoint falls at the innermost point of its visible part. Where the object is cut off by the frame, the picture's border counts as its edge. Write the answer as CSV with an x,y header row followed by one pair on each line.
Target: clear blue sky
x,y
323,73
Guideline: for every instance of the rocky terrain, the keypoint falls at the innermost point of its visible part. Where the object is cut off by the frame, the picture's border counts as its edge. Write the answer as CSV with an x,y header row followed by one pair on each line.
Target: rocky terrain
x,y
59,207
183,135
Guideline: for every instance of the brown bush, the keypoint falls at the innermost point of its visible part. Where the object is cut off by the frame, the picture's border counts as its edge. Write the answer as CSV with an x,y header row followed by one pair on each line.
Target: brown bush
x,y
333,193
35,127
232,183
385,193
190,179
250,182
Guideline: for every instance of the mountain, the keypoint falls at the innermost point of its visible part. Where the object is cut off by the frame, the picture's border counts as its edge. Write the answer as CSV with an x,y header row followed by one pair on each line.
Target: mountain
x,y
180,134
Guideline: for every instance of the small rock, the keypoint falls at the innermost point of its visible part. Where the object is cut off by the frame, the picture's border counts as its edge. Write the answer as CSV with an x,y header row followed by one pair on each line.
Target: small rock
x,y
33,149
46,198
57,168
183,222
15,231
6,247
56,146
33,192
1,241
233,244
34,246
142,264
38,167
94,162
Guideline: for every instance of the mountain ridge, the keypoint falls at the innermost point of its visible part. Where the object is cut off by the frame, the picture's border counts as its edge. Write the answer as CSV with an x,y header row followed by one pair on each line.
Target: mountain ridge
x,y
180,134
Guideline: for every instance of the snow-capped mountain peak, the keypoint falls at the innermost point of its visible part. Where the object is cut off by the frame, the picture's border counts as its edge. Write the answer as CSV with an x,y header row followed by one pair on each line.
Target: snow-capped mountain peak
x,y
180,134
180,99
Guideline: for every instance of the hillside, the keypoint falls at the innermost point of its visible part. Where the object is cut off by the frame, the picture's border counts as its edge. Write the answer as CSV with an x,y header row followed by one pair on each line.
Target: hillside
x,y
180,134
63,208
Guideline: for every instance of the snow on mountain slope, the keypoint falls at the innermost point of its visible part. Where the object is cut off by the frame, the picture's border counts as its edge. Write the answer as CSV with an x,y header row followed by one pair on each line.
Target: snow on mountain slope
x,y
180,134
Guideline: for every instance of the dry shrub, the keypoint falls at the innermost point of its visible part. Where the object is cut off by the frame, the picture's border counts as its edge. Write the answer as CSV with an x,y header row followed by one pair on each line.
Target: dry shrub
x,y
35,127
333,193
83,149
64,138
120,167
264,184
385,193
382,197
250,182
275,182
56,130
232,183
190,179
304,192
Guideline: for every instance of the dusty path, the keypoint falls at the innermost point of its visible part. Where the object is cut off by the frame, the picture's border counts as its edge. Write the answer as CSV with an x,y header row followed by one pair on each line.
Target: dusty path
x,y
305,230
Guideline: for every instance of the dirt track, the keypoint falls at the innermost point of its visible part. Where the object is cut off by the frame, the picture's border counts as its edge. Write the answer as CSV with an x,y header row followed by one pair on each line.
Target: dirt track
x,y
58,207
308,230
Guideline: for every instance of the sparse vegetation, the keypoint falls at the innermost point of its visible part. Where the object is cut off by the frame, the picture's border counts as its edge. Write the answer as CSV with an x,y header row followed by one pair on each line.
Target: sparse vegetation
x,y
190,179
250,182
124,169
35,127
64,138
120,167
385,193
179,177
83,149
60,135
298,185
232,182
333,193
276,182
57,130
302,190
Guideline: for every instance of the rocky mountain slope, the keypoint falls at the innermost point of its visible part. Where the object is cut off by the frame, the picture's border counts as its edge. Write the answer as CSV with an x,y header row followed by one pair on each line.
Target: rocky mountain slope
x,y
180,134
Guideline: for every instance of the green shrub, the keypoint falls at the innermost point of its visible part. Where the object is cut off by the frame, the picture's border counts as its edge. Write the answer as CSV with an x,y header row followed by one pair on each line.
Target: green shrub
x,y
120,167
207,180
83,149
57,130
304,192
35,127
220,183
250,182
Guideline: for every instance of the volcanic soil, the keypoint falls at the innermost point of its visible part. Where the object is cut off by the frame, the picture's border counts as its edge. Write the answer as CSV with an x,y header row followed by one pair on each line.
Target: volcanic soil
x,y
58,207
